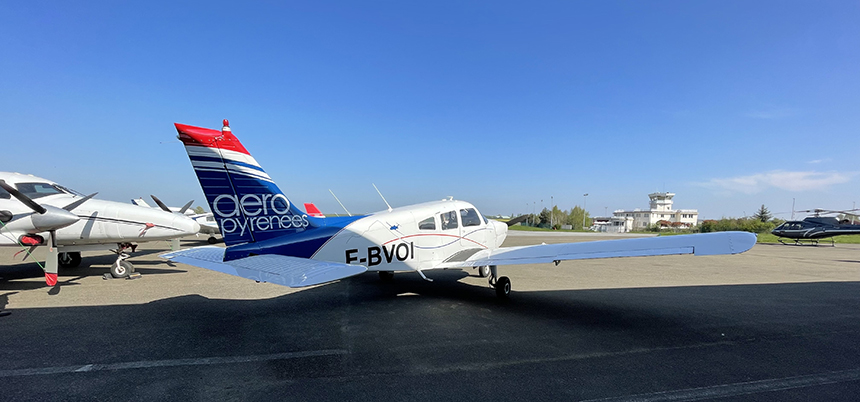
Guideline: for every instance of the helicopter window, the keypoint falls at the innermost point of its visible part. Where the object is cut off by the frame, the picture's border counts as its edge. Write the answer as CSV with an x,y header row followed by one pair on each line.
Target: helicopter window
x,y
470,217
427,224
449,220
37,190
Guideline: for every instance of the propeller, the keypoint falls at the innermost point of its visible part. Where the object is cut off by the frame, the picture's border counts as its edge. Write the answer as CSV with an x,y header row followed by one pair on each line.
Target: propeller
x,y
517,220
23,198
185,207
164,206
160,204
48,218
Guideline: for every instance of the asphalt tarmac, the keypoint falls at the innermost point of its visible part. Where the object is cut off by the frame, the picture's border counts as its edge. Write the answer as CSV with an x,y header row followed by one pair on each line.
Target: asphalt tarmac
x,y
778,323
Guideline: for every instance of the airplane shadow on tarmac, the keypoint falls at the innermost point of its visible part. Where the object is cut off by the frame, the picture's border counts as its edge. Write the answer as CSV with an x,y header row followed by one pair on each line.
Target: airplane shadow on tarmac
x,y
412,339
96,265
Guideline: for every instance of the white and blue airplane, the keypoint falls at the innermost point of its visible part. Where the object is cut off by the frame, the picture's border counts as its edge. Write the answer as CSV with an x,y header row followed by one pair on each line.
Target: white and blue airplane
x,y
269,239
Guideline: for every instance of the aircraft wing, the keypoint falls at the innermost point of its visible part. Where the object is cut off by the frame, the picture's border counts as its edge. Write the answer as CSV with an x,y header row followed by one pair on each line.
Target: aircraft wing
x,y
698,244
292,272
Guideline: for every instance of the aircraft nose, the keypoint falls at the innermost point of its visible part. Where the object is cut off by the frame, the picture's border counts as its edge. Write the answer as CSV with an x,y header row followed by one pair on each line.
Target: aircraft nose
x,y
53,218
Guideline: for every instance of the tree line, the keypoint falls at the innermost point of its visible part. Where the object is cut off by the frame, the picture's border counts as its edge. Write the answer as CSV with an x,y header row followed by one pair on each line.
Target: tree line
x,y
556,217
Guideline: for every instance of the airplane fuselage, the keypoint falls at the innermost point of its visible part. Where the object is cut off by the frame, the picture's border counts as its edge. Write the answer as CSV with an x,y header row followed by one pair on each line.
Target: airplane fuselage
x,y
416,237
100,221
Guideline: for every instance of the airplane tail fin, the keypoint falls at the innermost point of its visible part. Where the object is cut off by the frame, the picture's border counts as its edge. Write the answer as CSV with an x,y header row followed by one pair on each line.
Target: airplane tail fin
x,y
313,210
247,204
140,202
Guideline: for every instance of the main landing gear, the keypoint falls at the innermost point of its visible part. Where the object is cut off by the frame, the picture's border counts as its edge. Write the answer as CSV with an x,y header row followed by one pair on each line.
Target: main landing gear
x,y
122,268
69,260
502,285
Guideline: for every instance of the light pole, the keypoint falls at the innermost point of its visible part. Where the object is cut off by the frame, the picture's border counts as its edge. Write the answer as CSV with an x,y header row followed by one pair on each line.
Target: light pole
x,y
551,211
584,205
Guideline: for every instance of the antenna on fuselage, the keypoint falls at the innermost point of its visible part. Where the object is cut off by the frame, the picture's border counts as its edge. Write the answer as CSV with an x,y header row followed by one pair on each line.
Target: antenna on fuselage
x,y
383,197
338,201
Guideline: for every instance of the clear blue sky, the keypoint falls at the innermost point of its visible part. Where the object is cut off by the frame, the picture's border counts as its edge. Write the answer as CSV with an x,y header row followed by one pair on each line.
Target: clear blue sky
x,y
729,104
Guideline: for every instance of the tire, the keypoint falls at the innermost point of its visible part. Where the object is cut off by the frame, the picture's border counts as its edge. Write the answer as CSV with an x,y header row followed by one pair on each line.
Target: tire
x,y
212,240
503,287
484,271
121,270
69,260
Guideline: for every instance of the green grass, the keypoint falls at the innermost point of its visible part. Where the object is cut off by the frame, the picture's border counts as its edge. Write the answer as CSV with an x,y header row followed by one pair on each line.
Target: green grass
x,y
847,239
534,229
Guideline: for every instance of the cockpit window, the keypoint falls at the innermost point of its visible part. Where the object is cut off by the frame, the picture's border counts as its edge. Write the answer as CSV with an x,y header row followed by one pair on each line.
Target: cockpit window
x,y
427,224
449,220
37,190
470,217
4,195
68,190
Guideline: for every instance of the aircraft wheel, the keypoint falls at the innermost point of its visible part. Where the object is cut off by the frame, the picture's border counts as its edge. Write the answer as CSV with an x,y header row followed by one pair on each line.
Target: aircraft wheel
x,y
386,276
69,260
484,271
503,287
121,270
212,240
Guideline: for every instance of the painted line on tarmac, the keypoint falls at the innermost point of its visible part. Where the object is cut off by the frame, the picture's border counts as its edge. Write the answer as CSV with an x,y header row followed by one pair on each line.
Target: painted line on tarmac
x,y
203,361
741,388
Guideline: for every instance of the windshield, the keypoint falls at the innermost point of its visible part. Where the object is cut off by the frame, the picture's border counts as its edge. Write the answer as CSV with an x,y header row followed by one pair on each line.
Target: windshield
x,y
38,190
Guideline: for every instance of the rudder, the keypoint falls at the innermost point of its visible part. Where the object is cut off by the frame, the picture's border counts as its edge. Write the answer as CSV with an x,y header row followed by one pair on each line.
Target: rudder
x,y
248,205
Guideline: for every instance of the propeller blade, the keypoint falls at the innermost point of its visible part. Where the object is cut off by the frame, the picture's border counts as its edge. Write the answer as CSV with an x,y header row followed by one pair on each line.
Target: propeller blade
x,y
517,220
78,203
160,204
23,198
185,207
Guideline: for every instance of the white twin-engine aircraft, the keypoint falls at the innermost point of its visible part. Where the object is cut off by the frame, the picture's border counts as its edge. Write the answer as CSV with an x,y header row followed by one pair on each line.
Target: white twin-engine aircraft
x,y
270,240
206,220
69,222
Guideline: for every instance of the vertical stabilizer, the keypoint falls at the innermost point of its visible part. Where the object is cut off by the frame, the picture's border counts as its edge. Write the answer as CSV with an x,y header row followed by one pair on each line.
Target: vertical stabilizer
x,y
247,204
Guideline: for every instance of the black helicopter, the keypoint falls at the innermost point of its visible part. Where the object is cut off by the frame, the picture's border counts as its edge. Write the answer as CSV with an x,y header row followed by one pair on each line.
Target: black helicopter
x,y
814,228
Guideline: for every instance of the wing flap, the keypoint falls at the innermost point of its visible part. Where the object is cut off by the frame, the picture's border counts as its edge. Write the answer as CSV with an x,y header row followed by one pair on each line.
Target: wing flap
x,y
698,244
292,272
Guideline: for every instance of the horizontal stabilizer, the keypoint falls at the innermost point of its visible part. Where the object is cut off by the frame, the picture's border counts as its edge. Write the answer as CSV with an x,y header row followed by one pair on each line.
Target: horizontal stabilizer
x,y
698,244
292,272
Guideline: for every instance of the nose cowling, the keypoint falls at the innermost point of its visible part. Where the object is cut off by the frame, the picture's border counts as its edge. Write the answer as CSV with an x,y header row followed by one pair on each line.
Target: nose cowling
x,y
187,225
501,230
54,218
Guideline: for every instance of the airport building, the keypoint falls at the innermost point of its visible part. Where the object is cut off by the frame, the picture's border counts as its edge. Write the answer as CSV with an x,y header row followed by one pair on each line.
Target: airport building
x,y
660,212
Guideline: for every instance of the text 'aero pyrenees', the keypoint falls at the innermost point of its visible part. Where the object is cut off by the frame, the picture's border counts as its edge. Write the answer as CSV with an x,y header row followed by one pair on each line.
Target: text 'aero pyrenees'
x,y
269,239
